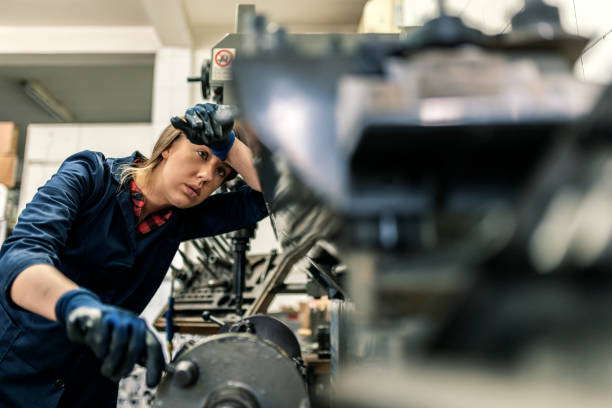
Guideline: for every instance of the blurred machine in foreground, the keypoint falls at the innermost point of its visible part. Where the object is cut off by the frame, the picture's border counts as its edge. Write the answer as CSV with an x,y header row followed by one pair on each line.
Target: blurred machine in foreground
x,y
452,194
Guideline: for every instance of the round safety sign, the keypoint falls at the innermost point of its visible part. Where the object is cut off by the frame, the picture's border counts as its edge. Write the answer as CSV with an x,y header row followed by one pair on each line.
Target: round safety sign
x,y
223,58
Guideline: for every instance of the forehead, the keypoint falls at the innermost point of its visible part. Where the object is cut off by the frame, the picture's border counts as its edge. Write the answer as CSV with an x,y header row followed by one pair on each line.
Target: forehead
x,y
185,143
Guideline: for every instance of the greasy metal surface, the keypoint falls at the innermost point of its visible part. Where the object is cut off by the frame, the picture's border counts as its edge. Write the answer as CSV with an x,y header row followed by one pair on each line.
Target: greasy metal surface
x,y
239,360
275,331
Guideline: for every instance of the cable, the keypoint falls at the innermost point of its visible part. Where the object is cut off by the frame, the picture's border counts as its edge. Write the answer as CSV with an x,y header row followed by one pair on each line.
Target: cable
x,y
594,43
578,34
510,22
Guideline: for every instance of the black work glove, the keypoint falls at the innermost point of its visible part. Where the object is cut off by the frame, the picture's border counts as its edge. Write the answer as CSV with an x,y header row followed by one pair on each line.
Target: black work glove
x,y
117,336
208,124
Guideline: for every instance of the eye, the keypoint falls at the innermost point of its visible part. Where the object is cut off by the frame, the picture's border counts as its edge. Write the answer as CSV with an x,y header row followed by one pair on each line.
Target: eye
x,y
221,171
203,154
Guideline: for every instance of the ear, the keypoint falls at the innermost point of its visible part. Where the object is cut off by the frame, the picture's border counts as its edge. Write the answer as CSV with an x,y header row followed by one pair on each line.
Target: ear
x,y
166,152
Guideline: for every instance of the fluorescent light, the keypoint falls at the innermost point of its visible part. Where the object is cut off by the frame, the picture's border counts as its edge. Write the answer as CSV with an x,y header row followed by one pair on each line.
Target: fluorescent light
x,y
47,101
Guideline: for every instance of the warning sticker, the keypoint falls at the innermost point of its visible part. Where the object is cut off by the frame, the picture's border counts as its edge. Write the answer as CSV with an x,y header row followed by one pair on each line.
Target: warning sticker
x,y
222,61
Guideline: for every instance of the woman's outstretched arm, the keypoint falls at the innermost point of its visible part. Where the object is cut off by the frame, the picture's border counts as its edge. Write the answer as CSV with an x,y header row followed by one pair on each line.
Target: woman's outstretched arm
x,y
38,287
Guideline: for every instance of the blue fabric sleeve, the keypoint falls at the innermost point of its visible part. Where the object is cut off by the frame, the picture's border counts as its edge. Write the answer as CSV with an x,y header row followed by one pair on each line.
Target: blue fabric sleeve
x,y
42,227
73,299
225,212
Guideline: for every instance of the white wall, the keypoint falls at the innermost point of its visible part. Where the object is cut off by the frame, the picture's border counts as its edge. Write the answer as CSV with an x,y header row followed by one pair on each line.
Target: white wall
x,y
77,40
171,91
47,146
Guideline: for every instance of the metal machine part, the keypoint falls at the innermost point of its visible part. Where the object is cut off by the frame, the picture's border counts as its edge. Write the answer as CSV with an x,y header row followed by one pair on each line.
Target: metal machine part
x,y
433,157
424,85
270,329
209,286
240,245
186,373
233,370
325,268
252,35
203,79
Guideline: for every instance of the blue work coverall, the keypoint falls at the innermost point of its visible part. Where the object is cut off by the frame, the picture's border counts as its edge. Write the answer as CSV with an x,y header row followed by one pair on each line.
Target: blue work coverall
x,y
82,223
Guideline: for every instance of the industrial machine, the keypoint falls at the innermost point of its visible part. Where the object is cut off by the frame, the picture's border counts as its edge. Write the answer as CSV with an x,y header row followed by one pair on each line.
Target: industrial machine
x,y
450,193
251,364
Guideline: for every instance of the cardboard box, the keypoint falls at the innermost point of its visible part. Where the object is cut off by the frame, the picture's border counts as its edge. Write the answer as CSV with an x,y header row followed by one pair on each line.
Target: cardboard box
x,y
8,169
9,135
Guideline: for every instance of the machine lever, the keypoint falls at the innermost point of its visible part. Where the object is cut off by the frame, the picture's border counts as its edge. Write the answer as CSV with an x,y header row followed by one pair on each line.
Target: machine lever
x,y
208,317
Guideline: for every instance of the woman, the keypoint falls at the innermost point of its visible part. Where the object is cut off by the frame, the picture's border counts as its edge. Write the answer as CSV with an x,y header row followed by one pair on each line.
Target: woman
x,y
93,246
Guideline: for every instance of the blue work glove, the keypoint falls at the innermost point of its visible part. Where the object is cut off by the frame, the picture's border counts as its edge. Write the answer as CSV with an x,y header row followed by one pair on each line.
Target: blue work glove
x,y
117,336
208,124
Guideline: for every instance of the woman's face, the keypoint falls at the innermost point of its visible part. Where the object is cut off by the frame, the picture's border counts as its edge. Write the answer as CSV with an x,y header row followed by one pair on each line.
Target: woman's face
x,y
190,173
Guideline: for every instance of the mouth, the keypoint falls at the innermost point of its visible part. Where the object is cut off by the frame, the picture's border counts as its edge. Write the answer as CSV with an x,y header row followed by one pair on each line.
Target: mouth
x,y
193,191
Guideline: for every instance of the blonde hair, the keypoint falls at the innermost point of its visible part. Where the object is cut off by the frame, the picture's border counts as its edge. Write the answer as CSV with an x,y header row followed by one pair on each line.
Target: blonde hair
x,y
144,168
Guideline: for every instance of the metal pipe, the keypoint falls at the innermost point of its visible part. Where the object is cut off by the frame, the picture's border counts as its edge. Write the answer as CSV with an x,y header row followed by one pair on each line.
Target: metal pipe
x,y
240,247
240,244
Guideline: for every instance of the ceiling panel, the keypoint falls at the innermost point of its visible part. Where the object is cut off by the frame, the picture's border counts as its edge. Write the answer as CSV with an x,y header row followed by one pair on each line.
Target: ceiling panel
x,y
73,13
95,94
312,12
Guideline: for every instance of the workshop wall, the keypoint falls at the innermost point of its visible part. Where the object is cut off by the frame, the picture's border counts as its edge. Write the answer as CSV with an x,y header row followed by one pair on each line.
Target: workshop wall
x,y
47,146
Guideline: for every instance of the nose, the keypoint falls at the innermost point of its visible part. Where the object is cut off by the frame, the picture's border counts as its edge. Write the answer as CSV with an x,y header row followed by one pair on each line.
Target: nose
x,y
206,171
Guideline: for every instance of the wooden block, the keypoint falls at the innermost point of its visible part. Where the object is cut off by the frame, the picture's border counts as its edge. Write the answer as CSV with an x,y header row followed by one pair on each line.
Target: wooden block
x,y
8,167
9,135
304,316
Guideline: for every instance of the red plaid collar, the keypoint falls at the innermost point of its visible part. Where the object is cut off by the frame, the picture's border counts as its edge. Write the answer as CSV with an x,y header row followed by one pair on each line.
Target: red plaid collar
x,y
153,221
